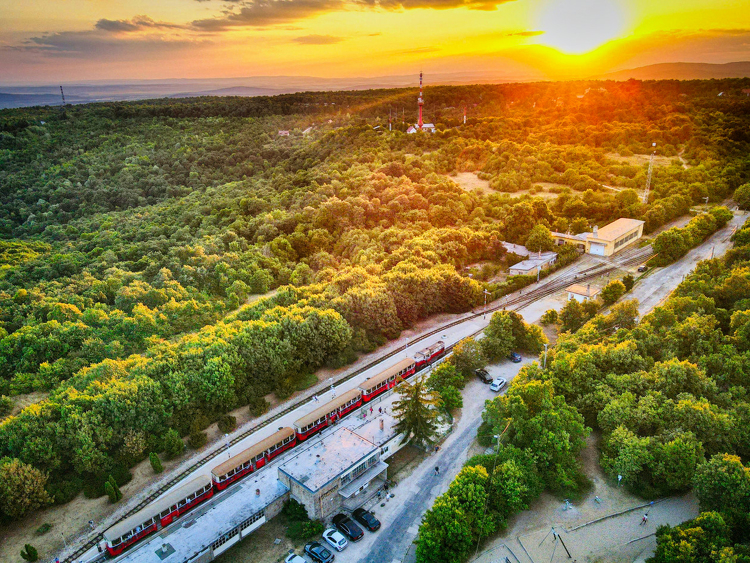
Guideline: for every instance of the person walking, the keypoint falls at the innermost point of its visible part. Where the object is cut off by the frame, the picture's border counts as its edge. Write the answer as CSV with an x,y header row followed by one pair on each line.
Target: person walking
x,y
380,410
437,470
371,410
644,520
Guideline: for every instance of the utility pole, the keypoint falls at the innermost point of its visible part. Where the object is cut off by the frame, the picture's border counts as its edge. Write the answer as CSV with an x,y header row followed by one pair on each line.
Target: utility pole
x,y
650,170
544,366
484,314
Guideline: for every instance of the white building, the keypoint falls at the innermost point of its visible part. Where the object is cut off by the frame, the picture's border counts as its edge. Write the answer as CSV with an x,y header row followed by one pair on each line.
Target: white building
x,y
426,127
582,293
533,264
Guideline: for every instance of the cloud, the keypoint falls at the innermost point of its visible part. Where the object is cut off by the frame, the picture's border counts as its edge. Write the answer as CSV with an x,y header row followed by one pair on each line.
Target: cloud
x,y
523,34
264,13
317,39
138,23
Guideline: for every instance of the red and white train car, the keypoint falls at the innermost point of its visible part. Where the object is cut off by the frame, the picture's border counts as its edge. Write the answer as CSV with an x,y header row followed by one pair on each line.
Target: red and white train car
x,y
252,458
161,512
387,379
426,356
327,414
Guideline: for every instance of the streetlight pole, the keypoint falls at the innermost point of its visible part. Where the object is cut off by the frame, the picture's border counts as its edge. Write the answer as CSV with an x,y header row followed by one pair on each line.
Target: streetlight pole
x,y
226,437
484,314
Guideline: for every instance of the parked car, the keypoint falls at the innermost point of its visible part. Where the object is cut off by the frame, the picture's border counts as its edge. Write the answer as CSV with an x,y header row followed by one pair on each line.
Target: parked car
x,y
347,527
294,558
514,357
483,376
367,519
642,268
318,552
335,539
498,384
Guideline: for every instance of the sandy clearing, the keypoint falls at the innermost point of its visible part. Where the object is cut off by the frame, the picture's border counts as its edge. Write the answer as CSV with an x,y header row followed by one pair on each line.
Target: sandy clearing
x,y
469,181
641,159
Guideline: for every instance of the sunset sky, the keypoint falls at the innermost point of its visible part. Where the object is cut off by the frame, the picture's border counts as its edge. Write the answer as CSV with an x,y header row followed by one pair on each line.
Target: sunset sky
x,y
45,41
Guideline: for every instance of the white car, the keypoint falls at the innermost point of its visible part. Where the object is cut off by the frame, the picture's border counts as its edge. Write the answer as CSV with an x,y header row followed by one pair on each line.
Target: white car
x,y
498,384
294,558
335,539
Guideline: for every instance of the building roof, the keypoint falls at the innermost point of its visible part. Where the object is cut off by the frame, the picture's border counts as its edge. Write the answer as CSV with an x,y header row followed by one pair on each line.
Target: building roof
x,y
579,236
194,532
585,290
618,228
327,458
535,262
519,249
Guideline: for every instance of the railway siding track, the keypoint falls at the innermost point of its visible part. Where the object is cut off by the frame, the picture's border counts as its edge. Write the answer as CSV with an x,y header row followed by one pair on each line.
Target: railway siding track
x,y
516,303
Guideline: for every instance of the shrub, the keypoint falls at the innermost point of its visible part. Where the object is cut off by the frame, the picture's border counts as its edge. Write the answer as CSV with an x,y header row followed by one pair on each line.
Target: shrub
x,y
110,490
6,405
294,511
259,406
197,440
155,463
29,553
227,423
549,318
173,444
65,491
43,529
628,281
612,292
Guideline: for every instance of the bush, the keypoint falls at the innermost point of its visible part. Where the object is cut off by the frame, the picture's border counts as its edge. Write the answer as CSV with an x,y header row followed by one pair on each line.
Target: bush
x,y
293,511
173,444
6,405
549,318
628,281
29,553
612,292
227,423
65,491
259,406
304,531
43,529
197,440
155,463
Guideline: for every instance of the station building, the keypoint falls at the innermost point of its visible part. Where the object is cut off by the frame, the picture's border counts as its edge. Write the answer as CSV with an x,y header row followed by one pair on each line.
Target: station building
x,y
605,241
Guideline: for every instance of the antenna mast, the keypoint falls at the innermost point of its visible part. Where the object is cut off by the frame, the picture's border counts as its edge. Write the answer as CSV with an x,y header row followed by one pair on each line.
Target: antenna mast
x,y
63,96
420,101
650,170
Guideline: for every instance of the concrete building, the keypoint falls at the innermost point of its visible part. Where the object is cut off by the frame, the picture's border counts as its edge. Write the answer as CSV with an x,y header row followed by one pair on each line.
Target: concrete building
x,y
605,241
534,263
333,470
582,293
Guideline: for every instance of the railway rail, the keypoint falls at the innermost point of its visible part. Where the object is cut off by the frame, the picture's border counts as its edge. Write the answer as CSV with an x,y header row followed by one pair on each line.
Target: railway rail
x,y
520,301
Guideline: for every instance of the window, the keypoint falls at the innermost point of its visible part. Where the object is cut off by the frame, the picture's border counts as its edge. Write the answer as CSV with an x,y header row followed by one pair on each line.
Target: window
x,y
225,538
254,518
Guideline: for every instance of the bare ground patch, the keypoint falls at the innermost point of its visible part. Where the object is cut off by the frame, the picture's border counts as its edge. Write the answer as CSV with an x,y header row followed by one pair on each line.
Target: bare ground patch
x,y
469,181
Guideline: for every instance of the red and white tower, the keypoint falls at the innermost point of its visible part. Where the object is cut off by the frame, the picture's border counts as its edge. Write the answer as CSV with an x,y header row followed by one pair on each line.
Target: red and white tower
x,y
421,103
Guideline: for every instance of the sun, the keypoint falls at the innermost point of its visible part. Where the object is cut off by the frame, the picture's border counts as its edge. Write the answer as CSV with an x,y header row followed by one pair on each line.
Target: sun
x,y
579,26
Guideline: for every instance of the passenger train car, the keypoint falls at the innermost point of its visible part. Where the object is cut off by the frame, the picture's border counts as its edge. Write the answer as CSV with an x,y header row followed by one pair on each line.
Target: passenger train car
x,y
165,510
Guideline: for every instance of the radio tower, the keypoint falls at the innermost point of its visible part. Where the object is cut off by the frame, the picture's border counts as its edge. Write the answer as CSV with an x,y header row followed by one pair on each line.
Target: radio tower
x,y
650,170
421,103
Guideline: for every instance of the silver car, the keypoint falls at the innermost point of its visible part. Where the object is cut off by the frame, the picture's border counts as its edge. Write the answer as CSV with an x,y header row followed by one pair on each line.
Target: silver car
x,y
498,384
335,539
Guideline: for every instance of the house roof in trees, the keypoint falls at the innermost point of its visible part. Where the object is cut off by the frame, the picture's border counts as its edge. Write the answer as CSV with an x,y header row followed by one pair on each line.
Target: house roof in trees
x,y
618,228
585,290
326,459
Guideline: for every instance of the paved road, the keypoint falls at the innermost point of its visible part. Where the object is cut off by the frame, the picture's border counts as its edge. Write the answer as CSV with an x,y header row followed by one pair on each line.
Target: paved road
x,y
656,287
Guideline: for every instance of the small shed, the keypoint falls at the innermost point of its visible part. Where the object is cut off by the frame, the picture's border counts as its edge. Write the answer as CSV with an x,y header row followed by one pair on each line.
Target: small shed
x,y
582,293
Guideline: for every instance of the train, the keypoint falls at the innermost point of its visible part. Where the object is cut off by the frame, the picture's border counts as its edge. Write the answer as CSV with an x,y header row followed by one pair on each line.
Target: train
x,y
165,510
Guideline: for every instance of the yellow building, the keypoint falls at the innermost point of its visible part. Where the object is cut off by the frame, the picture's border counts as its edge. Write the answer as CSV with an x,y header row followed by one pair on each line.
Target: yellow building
x,y
605,241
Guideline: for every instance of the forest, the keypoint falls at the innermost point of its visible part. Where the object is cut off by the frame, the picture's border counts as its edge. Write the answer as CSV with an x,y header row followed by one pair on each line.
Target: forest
x,y
165,262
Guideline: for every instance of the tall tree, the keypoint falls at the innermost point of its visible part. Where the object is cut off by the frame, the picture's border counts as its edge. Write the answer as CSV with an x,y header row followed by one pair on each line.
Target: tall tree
x,y
21,488
416,412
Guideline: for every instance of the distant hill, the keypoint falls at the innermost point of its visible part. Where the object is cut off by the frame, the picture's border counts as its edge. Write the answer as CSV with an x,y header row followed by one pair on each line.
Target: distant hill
x,y
682,71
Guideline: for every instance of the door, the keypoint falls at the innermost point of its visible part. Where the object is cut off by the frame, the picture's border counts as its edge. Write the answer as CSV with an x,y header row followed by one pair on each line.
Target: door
x,y
597,249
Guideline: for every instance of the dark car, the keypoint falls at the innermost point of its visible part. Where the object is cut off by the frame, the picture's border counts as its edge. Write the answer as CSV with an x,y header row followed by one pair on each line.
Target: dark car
x,y
367,519
318,552
642,268
347,527
483,376
515,358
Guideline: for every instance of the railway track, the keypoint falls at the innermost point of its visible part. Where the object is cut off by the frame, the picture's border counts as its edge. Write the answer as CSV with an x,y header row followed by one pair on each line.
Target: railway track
x,y
516,303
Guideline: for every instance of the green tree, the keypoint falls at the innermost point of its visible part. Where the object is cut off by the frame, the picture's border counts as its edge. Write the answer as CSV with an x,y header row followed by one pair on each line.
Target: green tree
x,y
705,539
498,341
445,533
742,196
446,380
22,488
155,462
612,292
111,493
467,357
723,484
173,444
549,318
540,239
29,553
572,316
416,413
628,281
